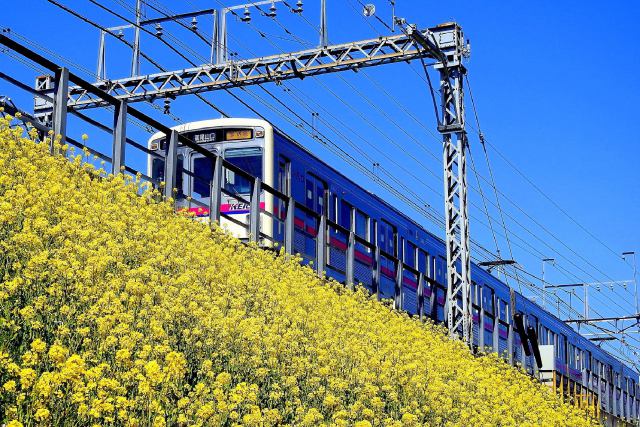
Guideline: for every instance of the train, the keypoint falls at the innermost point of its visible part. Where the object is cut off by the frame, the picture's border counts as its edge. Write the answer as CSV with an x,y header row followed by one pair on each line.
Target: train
x,y
572,365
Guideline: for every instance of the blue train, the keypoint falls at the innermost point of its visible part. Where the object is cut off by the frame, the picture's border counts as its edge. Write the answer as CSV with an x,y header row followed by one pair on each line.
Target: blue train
x,y
571,364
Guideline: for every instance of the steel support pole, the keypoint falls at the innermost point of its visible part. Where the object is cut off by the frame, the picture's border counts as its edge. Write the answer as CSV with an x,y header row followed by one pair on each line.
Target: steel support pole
x,y
215,38
102,56
376,272
135,58
421,295
324,39
170,164
119,137
289,226
351,251
215,194
61,93
254,211
397,294
222,38
321,245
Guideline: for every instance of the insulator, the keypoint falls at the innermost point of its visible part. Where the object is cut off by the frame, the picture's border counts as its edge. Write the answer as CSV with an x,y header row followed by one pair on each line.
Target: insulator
x,y
120,34
167,106
298,8
247,15
194,24
158,30
272,10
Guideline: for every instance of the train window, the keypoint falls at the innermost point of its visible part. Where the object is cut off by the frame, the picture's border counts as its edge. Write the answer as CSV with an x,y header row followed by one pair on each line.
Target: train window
x,y
487,299
410,254
386,237
314,197
247,159
284,175
361,224
475,290
504,310
423,261
345,215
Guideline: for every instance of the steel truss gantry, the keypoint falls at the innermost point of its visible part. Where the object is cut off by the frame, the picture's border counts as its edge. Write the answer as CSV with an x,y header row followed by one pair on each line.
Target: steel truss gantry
x,y
444,44
244,72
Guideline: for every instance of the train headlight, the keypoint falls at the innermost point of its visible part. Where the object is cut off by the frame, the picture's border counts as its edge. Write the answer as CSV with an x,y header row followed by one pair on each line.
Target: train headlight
x,y
259,133
153,146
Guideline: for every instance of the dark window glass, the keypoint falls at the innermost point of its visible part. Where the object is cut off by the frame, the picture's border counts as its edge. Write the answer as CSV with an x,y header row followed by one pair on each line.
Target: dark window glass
x,y
503,310
345,215
314,193
203,171
157,172
361,224
410,254
487,299
247,159
284,168
386,237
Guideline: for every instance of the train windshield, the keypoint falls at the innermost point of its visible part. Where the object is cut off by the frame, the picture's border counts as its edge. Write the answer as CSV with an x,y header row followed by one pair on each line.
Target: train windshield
x,y
247,159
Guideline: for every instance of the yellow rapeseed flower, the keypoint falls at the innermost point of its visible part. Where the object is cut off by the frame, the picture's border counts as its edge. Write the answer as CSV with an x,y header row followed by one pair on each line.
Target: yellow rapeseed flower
x,y
155,319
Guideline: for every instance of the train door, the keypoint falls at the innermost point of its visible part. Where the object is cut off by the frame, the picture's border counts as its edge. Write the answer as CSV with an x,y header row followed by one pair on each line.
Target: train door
x,y
199,187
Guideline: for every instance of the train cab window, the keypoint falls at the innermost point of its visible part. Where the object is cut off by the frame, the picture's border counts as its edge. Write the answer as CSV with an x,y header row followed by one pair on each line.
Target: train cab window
x,y
157,171
247,159
387,237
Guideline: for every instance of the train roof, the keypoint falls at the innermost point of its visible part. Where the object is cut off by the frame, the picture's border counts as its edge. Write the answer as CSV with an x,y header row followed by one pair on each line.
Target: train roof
x,y
225,121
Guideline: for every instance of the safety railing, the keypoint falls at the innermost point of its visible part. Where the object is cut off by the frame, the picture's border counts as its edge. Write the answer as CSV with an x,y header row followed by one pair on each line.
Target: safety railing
x,y
382,273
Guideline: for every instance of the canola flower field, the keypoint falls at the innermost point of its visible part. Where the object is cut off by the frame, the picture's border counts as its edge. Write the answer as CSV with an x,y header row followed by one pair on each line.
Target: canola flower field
x,y
114,310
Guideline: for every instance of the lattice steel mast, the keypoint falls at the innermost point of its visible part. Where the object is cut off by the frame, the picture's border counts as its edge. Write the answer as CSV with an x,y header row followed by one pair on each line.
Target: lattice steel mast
x,y
452,128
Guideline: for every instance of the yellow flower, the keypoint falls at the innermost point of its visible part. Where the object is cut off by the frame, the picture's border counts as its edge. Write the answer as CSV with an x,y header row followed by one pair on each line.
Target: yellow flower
x,y
41,414
38,346
27,378
159,319
9,386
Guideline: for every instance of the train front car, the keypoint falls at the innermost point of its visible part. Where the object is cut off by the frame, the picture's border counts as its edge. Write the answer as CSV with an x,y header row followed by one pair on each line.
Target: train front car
x,y
245,143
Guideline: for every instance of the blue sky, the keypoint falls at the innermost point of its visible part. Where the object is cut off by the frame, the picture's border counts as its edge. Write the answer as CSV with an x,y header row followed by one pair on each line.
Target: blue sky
x,y
555,84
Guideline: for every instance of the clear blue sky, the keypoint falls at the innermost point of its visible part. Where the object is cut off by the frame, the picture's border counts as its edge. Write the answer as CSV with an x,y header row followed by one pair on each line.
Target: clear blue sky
x,y
555,85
